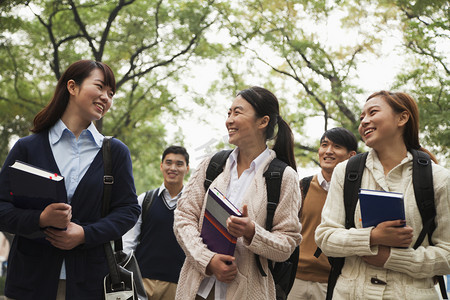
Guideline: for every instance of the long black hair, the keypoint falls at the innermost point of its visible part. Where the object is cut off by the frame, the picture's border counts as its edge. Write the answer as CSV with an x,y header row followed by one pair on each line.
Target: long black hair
x,y
265,103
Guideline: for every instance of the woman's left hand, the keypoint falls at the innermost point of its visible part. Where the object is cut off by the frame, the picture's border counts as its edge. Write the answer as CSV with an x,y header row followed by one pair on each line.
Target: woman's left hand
x,y
241,226
380,259
65,239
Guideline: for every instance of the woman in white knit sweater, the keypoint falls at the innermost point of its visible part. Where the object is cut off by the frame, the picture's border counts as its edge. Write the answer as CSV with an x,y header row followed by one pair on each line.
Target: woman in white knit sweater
x,y
380,262
251,121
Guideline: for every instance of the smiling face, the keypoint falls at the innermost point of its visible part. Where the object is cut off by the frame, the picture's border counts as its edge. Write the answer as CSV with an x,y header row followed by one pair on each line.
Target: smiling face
x,y
330,154
92,99
379,125
174,169
242,124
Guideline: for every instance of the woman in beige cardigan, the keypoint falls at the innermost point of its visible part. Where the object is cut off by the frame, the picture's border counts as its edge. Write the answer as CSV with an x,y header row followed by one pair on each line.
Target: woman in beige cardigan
x,y
251,121
380,262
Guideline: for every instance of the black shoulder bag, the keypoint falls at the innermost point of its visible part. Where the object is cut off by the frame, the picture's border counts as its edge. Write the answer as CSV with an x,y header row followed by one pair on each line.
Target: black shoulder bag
x,y
124,280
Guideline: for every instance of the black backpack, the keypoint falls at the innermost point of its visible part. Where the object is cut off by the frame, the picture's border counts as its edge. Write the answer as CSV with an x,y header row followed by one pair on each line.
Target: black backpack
x,y
424,194
283,272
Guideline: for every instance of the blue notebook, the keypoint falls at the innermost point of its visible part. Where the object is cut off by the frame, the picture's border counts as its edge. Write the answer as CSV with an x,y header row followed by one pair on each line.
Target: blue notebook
x,y
380,206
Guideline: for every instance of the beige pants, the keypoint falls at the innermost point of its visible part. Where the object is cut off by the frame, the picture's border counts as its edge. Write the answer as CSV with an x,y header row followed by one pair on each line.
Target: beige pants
x,y
308,290
60,294
159,290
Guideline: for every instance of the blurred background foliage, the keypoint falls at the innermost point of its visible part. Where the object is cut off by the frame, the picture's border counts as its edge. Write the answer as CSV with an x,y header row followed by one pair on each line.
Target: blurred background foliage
x,y
289,47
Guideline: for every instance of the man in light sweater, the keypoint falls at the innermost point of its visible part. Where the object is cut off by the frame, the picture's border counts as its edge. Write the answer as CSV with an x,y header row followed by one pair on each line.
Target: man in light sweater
x,y
157,251
336,145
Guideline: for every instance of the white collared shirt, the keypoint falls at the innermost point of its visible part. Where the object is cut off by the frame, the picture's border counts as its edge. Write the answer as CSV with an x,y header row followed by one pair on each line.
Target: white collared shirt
x,y
235,193
322,181
131,238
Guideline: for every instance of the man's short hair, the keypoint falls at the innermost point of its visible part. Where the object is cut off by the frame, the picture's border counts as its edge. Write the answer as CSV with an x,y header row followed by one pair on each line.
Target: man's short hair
x,y
176,150
341,136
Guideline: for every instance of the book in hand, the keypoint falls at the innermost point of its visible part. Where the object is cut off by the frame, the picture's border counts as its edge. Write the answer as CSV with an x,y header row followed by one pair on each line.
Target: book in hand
x,y
380,206
214,231
35,188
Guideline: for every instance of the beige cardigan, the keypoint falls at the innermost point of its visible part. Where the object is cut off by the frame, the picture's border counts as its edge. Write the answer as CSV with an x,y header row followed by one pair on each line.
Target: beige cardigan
x,y
276,245
407,272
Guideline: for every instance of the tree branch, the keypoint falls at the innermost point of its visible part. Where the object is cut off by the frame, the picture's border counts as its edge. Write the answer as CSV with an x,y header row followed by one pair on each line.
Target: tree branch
x,y
302,83
192,42
111,18
82,27
414,46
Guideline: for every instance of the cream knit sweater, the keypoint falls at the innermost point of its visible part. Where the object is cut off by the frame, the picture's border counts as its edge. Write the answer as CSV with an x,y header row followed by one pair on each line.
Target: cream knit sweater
x,y
407,272
276,245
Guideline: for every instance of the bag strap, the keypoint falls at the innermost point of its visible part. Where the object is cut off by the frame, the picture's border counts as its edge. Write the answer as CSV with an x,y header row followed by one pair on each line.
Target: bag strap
x,y
215,167
273,176
424,193
305,182
146,204
148,201
108,181
304,185
353,175
352,183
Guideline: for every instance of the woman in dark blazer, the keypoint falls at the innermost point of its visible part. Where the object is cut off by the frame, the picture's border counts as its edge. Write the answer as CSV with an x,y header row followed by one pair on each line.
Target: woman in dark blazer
x,y
70,263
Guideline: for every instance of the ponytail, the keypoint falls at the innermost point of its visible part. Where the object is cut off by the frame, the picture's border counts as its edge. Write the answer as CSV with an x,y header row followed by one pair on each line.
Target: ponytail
x,y
284,143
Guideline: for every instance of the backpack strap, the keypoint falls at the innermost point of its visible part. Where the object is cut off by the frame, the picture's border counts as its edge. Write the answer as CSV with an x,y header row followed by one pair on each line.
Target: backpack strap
x,y
148,201
273,176
304,185
353,175
146,204
215,167
424,193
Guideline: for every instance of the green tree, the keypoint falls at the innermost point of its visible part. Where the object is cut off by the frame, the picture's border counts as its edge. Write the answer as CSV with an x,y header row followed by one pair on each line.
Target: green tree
x,y
318,76
147,43
426,38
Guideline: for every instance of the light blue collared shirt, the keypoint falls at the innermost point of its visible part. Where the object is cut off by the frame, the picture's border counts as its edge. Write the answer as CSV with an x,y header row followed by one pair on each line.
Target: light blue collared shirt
x,y
73,157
